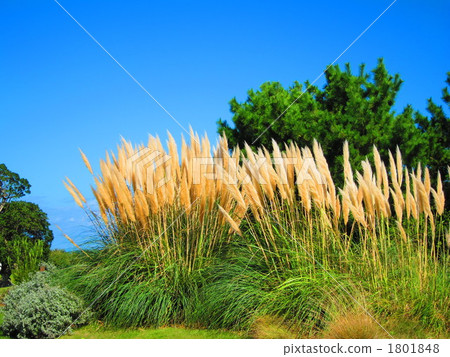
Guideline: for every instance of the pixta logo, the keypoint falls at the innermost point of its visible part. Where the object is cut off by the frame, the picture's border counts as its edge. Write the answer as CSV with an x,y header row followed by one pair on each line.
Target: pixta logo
x,y
147,161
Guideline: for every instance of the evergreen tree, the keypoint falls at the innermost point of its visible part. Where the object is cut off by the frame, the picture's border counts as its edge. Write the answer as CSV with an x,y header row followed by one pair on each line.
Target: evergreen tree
x,y
357,108
436,130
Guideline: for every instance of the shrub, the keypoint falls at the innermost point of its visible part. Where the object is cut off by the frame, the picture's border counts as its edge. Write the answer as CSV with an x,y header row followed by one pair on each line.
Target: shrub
x,y
39,309
62,259
24,258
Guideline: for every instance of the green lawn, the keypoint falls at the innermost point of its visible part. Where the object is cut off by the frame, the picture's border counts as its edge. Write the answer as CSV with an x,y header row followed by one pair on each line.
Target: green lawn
x,y
99,332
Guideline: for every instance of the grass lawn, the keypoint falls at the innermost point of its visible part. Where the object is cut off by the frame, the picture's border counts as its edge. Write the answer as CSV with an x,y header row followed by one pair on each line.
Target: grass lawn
x,y
99,332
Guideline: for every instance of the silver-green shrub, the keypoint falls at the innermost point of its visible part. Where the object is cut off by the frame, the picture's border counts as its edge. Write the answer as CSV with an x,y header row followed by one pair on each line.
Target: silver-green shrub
x,y
40,309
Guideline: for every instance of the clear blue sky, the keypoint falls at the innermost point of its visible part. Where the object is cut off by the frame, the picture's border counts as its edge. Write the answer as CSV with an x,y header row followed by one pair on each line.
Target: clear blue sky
x,y
60,92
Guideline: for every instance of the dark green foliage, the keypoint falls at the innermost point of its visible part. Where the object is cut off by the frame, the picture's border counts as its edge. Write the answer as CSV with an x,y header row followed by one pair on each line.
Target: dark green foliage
x,y
40,309
436,130
11,186
22,220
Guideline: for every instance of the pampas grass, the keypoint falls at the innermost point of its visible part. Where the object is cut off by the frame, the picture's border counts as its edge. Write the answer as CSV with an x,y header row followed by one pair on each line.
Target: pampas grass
x,y
382,233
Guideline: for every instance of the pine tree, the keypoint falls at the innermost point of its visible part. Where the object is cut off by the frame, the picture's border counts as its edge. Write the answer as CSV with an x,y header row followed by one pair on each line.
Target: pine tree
x,y
358,108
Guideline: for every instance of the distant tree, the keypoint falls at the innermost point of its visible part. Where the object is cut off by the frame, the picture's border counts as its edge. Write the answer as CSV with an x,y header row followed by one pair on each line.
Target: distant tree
x,y
357,108
12,186
63,259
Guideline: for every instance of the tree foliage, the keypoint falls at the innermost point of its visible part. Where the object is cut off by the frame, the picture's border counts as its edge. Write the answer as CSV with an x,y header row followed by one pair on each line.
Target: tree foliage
x,y
436,130
11,186
63,259
25,234
354,107
18,221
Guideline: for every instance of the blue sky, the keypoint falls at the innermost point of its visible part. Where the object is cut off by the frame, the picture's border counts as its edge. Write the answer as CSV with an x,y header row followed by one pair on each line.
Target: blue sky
x,y
60,92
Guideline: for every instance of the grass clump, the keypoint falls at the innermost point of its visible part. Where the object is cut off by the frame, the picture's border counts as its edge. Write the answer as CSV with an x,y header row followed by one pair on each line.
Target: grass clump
x,y
269,327
234,293
221,239
127,289
353,325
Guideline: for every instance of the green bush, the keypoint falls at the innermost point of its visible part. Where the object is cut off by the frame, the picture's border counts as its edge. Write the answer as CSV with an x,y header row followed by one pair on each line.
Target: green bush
x,y
24,258
62,259
40,309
